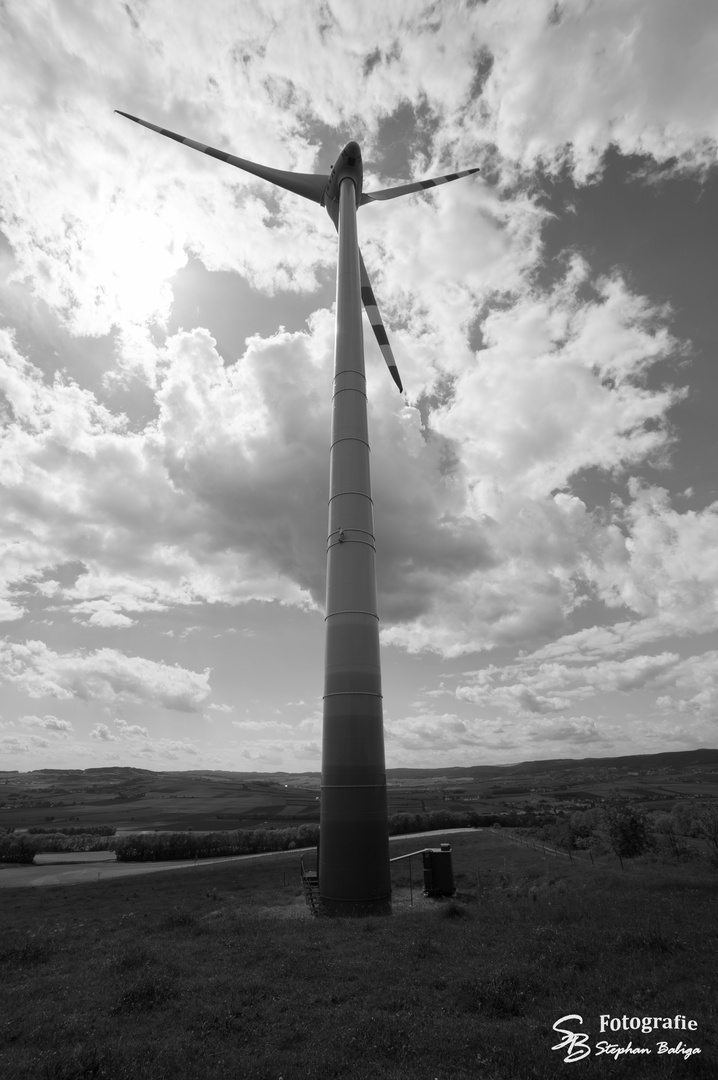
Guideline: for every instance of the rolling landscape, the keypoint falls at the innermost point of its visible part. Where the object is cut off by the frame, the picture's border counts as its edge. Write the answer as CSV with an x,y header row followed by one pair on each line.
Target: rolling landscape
x,y
221,969
130,799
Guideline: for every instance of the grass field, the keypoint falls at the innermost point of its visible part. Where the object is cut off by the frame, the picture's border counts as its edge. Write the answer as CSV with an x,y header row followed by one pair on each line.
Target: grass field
x,y
220,972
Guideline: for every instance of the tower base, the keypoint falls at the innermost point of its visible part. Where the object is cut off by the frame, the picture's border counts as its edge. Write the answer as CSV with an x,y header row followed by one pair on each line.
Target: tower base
x,y
355,909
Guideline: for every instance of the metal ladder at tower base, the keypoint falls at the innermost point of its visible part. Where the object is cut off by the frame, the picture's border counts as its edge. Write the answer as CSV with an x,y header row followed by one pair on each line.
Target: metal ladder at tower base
x,y
310,886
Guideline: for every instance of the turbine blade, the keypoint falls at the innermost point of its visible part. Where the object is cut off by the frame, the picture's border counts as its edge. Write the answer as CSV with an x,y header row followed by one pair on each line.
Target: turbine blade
x,y
369,302
419,185
308,185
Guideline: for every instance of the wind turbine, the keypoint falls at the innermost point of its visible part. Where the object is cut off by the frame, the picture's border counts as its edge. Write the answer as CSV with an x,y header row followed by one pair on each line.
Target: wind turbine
x,y
354,873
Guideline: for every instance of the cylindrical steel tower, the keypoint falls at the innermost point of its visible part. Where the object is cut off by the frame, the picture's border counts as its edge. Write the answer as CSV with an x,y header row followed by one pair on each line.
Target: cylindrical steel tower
x,y
354,843
354,875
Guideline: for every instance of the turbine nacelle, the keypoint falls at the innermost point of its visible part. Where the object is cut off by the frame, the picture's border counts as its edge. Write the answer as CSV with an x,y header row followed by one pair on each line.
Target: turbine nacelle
x,y
347,165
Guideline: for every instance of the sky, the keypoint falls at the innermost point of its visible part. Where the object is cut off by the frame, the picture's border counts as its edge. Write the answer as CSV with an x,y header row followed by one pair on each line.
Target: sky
x,y
546,503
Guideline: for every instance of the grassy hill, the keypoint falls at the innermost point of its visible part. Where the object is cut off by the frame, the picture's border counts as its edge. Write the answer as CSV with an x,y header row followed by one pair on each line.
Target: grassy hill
x,y
220,972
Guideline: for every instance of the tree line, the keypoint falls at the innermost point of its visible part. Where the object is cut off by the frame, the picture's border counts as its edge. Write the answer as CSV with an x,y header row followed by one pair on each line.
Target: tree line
x,y
155,846
617,826
624,829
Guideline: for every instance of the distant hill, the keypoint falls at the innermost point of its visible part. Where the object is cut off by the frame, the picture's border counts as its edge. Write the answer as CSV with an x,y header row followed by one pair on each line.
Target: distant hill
x,y
678,759
134,799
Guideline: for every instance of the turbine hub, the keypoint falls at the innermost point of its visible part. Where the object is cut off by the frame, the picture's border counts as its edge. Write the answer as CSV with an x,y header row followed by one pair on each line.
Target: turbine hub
x,y
348,164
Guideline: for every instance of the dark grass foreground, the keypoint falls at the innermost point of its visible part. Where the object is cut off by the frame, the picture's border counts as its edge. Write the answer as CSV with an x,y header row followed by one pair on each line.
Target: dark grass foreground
x,y
219,972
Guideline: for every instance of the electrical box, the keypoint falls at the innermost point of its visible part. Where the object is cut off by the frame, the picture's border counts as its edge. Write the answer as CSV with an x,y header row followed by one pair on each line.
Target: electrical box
x,y
438,871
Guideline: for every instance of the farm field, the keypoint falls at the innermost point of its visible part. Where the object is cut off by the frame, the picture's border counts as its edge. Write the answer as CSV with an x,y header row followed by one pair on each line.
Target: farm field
x,y
136,799
221,972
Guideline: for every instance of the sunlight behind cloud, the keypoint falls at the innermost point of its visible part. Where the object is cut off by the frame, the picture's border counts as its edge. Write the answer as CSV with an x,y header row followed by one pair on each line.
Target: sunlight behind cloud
x,y
135,253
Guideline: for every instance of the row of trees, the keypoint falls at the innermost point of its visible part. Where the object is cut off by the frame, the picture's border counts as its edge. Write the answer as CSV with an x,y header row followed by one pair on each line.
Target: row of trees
x,y
23,847
618,826
143,847
74,830
622,827
150,847
688,820
435,820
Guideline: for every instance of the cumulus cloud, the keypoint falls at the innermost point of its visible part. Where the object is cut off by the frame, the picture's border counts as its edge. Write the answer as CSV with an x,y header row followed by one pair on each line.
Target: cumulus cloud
x,y
138,202
537,692
49,724
102,613
167,749
668,571
78,488
227,488
445,735
105,675
526,686
570,731
9,612
211,489
694,688
14,744
130,223
102,733
427,278
440,731
656,563
596,642
138,744
226,485
581,399
569,79
131,730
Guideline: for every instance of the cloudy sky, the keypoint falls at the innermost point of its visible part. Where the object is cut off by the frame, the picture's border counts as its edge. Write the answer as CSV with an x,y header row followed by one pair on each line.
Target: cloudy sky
x,y
545,489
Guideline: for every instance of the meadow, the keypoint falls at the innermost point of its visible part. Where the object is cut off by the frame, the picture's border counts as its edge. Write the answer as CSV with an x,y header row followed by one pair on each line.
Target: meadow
x,y
221,972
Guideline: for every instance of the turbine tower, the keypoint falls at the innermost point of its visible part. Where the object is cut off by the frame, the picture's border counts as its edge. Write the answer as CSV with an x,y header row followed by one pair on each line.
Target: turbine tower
x,y
354,876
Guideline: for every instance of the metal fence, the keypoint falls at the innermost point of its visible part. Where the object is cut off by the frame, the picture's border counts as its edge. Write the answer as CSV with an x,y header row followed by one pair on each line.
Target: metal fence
x,y
538,845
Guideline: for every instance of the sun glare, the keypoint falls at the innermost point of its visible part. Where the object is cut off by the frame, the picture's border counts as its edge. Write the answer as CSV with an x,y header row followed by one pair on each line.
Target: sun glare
x,y
141,252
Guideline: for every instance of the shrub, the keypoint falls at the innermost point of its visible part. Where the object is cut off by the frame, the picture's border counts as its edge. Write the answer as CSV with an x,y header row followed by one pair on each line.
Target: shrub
x,y
16,849
686,818
707,819
627,828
